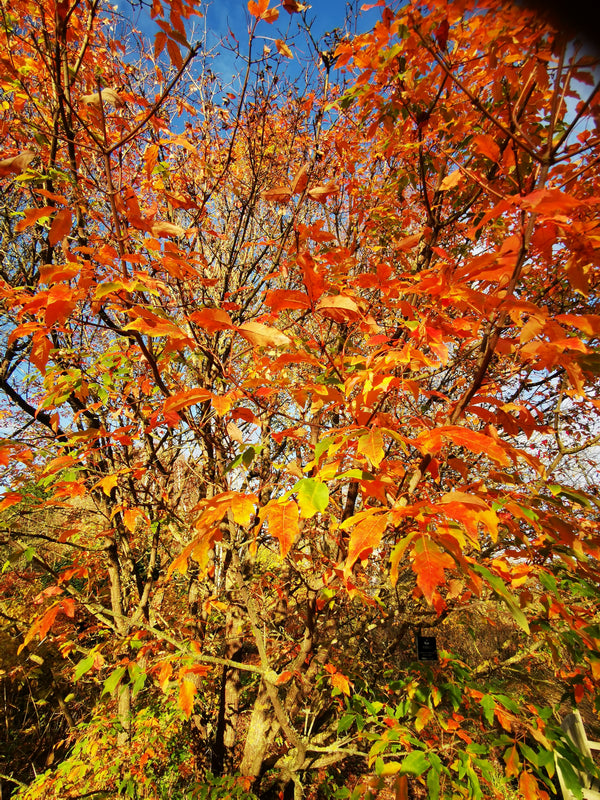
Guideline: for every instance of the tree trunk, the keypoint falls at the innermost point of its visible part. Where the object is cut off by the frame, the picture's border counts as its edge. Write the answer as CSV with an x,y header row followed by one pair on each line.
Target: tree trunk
x,y
263,727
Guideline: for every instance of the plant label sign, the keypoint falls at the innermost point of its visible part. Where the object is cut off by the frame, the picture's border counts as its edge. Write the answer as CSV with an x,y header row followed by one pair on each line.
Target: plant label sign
x,y
426,648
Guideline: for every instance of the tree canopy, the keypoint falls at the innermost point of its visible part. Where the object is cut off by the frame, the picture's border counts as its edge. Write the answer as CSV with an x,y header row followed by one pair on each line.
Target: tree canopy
x,y
299,366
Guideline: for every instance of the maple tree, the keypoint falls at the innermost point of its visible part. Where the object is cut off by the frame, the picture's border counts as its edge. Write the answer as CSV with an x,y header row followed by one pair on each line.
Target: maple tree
x,y
295,369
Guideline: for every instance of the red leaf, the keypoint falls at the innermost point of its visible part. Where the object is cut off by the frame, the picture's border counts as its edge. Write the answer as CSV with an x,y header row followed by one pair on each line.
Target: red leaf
x,y
441,34
293,7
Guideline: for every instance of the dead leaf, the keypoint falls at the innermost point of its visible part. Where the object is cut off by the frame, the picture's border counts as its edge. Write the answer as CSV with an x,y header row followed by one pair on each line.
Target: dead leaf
x,y
16,164
163,228
278,194
283,49
451,180
107,96
263,336
234,432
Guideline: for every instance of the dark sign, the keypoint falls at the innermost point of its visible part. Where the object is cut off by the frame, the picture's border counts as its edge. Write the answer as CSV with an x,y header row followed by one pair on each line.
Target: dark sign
x,y
426,648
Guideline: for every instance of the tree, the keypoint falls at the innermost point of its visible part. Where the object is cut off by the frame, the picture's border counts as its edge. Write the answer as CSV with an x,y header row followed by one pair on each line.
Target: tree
x,y
294,369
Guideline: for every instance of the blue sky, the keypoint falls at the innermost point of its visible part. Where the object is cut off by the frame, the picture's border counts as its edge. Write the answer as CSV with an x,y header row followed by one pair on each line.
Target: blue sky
x,y
222,16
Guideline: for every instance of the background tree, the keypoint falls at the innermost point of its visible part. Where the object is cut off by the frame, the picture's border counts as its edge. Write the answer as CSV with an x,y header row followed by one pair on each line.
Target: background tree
x,y
295,369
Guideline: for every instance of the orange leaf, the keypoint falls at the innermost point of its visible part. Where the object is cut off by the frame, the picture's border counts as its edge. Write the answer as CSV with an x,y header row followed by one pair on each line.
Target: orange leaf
x,y
277,299
451,180
10,499
313,279
174,53
429,563
528,786
221,403
486,145
107,484
283,50
163,228
366,536
61,226
431,442
283,524
184,399
212,319
130,517
256,8
31,216
278,194
260,9
301,177
321,193
511,757
341,682
187,690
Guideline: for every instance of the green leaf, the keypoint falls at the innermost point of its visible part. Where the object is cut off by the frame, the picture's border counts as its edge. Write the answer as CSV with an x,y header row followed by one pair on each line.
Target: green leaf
x,y
415,763
359,474
570,778
113,680
498,586
488,704
322,446
346,722
138,678
313,496
84,666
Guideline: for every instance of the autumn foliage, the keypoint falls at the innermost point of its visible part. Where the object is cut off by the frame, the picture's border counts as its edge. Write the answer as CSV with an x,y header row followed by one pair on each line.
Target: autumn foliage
x,y
296,369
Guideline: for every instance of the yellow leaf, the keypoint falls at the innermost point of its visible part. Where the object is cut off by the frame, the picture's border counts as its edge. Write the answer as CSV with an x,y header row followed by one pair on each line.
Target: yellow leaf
x,y
108,484
371,445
